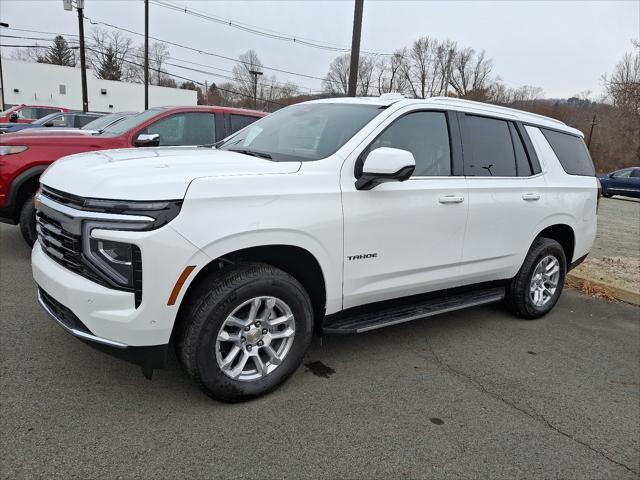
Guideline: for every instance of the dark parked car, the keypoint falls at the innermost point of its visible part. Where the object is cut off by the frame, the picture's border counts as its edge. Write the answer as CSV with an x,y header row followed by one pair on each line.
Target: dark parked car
x,y
621,182
58,119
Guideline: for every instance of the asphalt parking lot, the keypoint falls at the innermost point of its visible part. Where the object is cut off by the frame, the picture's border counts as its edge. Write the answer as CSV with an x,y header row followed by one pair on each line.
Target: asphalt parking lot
x,y
473,394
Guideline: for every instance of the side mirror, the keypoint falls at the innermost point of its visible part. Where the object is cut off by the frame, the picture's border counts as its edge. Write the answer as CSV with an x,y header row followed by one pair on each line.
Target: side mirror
x,y
147,140
611,175
386,165
49,124
13,117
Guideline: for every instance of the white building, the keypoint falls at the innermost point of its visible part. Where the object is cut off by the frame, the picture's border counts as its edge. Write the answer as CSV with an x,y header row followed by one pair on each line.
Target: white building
x,y
54,85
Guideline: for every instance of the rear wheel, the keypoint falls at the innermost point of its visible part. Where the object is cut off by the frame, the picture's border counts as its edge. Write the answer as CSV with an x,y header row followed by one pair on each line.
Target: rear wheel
x,y
28,221
534,291
245,331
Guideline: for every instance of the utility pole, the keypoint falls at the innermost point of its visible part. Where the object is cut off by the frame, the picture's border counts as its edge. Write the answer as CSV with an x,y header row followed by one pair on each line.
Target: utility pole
x,y
355,47
5,25
83,61
255,74
593,124
146,54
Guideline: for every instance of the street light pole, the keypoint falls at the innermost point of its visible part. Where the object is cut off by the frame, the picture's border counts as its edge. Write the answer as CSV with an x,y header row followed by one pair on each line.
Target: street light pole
x,y
146,54
5,25
255,74
355,47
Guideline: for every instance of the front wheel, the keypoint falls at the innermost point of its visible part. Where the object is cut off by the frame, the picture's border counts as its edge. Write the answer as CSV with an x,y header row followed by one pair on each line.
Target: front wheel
x,y
245,331
534,291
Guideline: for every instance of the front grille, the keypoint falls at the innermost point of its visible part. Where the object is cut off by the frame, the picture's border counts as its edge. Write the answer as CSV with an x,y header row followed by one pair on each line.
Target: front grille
x,y
62,313
61,245
65,248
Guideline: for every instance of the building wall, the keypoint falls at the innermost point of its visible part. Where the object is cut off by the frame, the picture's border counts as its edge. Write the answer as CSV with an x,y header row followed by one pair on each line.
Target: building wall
x,y
42,84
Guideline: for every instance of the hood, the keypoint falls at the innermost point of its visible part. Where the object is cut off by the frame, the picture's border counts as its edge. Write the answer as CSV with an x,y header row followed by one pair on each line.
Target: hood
x,y
151,173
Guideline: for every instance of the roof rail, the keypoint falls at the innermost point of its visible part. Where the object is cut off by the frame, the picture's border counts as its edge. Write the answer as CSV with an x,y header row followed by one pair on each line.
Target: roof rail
x,y
497,108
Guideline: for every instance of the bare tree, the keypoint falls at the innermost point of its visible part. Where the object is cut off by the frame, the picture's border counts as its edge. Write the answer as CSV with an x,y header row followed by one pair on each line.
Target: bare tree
x,y
245,82
337,79
108,53
471,74
623,86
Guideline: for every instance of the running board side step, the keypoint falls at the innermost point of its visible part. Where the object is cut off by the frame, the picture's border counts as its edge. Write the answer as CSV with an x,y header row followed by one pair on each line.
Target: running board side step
x,y
384,317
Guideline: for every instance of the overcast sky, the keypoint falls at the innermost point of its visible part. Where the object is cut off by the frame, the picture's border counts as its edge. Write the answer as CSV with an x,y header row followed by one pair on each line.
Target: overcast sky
x,y
562,46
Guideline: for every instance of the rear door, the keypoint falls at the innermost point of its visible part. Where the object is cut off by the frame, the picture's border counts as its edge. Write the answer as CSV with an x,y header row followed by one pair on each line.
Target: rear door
x,y
506,196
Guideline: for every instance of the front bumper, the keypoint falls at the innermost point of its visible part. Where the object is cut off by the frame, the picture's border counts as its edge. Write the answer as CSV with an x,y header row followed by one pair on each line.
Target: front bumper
x,y
149,358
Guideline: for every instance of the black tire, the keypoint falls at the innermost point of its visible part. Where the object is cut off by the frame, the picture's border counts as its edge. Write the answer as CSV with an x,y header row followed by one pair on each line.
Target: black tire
x,y
518,300
213,301
28,221
607,195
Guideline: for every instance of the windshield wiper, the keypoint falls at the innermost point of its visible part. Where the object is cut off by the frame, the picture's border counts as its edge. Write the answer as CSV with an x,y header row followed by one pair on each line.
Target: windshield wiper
x,y
253,153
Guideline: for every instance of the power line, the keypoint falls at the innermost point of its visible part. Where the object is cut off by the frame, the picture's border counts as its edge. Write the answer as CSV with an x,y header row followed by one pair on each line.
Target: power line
x,y
203,52
261,31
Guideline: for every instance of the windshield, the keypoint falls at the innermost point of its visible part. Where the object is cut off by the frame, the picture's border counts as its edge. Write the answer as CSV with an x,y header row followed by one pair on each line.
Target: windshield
x,y
131,122
303,132
101,123
44,120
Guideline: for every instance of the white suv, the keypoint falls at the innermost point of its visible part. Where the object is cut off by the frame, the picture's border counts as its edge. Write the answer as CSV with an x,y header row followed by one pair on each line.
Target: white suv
x,y
339,215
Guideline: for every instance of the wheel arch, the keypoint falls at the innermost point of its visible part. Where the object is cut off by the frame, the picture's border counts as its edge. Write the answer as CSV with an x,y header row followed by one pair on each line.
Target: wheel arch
x,y
22,186
297,261
565,235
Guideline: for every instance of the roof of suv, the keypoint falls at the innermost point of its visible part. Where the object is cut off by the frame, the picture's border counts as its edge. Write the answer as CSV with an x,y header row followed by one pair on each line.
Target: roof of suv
x,y
459,104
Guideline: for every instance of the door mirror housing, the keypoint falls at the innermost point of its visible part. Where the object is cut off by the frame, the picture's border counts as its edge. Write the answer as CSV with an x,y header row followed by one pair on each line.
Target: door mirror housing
x,y
147,140
13,117
385,165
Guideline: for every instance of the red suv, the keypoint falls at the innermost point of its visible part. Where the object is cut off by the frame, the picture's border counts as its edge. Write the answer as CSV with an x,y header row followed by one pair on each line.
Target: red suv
x,y
24,156
28,113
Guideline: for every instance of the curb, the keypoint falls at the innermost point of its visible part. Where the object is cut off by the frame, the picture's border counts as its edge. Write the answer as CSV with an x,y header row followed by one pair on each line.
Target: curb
x,y
622,294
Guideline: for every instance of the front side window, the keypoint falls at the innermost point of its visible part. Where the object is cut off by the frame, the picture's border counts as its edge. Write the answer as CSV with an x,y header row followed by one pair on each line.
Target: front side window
x,y
303,132
491,151
188,128
82,120
28,113
426,136
622,173
42,112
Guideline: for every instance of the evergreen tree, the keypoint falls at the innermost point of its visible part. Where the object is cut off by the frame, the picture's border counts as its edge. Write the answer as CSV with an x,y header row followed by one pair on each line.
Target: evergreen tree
x,y
109,68
59,53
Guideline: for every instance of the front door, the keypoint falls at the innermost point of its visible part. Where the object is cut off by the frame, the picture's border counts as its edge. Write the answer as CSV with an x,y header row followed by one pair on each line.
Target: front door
x,y
403,238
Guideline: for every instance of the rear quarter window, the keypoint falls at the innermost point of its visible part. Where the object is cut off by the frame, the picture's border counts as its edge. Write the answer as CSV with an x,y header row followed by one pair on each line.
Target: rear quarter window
x,y
571,152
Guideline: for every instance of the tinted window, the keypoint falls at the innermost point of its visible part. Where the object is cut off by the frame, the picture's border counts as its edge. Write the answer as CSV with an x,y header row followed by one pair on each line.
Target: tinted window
x,y
635,173
490,151
426,136
304,132
523,166
41,112
107,120
238,122
189,128
571,151
82,120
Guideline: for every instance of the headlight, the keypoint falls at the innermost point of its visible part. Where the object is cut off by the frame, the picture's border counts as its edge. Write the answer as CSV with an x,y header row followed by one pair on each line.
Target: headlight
x,y
11,149
115,261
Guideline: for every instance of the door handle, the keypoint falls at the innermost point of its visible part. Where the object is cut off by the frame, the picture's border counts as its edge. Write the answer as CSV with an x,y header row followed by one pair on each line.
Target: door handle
x,y
451,199
531,196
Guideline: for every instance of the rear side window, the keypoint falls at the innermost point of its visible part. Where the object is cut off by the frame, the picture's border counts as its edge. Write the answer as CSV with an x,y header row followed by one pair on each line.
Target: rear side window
x,y
571,151
238,122
491,151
